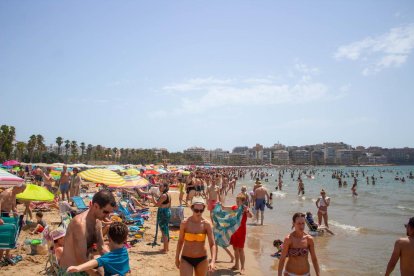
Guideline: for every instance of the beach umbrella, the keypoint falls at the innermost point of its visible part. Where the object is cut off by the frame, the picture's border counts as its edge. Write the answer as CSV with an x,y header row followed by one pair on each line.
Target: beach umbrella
x,y
11,163
115,168
132,172
161,171
8,180
102,176
151,172
35,193
132,182
57,165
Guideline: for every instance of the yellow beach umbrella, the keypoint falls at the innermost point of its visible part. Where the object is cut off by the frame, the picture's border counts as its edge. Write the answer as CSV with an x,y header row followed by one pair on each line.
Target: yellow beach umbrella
x,y
35,193
132,172
132,182
102,176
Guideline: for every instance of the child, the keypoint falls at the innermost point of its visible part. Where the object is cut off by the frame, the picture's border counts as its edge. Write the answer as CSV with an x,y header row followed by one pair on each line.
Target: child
x,y
279,246
58,237
40,224
312,224
115,262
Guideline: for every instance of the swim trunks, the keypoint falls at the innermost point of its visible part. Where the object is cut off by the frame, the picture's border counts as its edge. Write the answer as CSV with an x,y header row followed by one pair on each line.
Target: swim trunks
x,y
64,187
260,204
211,204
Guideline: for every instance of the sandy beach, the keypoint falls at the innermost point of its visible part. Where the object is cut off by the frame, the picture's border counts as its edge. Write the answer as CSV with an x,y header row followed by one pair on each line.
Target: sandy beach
x,y
144,259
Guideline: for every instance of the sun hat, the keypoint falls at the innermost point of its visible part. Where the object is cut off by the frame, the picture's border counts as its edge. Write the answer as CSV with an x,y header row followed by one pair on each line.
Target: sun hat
x,y
57,234
198,200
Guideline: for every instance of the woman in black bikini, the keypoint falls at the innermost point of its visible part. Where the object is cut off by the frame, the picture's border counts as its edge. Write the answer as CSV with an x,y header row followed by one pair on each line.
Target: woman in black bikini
x,y
193,233
296,248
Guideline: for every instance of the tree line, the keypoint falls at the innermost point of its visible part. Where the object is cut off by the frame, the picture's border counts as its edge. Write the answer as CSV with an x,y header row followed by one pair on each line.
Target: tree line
x,y
69,151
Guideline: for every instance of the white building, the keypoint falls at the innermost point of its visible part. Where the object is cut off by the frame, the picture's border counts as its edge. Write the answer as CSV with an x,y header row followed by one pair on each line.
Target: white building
x,y
198,151
281,157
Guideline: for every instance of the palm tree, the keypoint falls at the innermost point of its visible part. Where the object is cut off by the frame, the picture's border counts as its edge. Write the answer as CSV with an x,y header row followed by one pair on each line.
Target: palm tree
x,y
7,135
74,150
59,142
40,145
20,146
83,147
31,146
67,146
98,152
115,151
89,151
108,154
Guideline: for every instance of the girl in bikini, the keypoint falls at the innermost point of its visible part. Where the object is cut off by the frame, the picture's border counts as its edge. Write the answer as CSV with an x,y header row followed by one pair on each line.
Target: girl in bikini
x,y
296,248
191,242
322,204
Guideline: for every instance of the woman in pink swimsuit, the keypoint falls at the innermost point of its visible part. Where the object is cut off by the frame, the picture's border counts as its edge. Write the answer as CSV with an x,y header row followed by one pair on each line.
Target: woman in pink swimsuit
x,y
296,248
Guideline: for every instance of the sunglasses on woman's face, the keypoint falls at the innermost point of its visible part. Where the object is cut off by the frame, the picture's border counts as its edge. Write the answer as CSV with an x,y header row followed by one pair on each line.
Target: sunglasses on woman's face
x,y
198,210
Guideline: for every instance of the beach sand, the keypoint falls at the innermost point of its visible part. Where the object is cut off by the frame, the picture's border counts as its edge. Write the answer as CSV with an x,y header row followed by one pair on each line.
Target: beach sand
x,y
144,259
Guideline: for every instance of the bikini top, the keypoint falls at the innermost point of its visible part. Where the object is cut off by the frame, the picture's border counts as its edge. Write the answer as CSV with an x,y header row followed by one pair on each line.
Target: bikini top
x,y
195,237
298,252
167,200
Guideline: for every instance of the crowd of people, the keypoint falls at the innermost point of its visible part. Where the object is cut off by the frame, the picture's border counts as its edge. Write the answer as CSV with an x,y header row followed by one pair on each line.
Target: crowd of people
x,y
94,244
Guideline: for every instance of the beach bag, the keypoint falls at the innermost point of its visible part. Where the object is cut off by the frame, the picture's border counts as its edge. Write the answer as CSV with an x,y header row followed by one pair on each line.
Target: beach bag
x,y
177,215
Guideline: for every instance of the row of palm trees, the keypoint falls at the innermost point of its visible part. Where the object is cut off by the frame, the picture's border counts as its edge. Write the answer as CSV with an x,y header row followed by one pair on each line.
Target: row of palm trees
x,y
35,150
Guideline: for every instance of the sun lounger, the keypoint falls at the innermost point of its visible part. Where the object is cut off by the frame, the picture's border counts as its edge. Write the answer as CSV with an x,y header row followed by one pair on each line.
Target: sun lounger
x,y
9,232
79,203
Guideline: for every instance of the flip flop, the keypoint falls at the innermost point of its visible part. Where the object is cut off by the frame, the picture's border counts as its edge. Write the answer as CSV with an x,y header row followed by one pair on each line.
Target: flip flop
x,y
4,263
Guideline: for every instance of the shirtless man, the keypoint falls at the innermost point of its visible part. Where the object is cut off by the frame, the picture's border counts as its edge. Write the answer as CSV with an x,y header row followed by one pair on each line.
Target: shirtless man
x,y
64,183
75,183
47,179
403,251
213,196
260,195
85,230
38,176
7,206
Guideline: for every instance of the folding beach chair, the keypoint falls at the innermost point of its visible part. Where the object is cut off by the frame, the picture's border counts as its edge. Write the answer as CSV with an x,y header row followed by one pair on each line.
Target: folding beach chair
x,y
129,217
9,232
79,203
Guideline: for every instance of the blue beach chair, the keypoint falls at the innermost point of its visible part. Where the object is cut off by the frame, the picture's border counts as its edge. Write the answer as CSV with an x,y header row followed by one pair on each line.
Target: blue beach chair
x,y
129,217
79,203
9,232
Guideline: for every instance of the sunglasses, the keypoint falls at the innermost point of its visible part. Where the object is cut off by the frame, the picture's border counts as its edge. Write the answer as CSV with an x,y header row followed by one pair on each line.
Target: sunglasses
x,y
106,212
198,211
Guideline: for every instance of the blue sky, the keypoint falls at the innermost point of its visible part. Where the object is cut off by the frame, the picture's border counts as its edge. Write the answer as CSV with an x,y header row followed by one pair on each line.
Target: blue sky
x,y
177,74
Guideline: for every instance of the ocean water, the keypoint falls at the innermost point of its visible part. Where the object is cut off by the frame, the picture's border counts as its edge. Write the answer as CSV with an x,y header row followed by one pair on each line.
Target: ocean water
x,y
365,227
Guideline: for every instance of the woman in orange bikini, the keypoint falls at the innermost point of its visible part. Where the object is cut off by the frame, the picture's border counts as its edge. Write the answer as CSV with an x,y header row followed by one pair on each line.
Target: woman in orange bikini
x,y
193,233
296,248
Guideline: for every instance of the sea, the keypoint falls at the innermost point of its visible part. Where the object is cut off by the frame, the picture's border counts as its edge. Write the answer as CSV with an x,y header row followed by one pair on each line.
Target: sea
x,y
366,227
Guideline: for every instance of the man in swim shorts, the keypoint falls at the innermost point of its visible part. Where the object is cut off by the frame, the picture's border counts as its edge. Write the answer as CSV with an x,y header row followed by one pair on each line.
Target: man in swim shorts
x,y
64,183
213,196
260,195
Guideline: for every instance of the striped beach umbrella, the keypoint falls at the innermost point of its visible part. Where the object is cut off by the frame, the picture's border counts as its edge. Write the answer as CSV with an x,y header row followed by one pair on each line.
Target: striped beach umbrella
x,y
102,176
132,172
8,180
132,182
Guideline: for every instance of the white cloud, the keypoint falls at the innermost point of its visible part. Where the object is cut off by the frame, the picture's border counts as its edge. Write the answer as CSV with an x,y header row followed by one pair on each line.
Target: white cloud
x,y
212,93
384,51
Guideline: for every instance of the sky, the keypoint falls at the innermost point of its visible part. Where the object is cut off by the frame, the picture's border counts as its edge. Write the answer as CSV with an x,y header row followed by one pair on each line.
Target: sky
x,y
216,74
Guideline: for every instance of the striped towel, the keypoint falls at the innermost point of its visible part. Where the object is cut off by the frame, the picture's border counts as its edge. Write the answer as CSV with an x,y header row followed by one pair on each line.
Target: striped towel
x,y
225,224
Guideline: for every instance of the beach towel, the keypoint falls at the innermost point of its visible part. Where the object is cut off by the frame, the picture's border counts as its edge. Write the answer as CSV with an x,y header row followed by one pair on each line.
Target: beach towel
x,y
163,219
225,224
